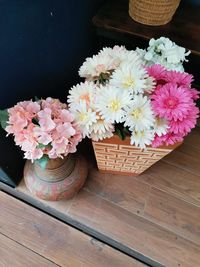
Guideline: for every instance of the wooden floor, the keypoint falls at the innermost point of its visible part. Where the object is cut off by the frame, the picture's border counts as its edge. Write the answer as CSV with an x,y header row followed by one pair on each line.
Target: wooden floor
x,y
154,217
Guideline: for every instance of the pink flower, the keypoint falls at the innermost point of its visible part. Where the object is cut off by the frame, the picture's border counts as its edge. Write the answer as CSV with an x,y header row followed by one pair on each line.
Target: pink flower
x,y
172,102
66,116
166,140
42,136
45,120
43,127
33,154
194,94
157,71
184,127
180,78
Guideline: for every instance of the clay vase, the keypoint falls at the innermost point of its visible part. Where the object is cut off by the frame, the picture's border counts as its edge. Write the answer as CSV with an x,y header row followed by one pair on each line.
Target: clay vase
x,y
61,179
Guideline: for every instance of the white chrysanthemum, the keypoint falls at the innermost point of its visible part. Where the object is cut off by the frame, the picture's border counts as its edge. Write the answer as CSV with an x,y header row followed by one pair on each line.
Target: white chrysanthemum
x,y
97,137
82,92
84,116
150,84
160,126
94,66
129,76
111,103
101,130
139,115
101,126
142,138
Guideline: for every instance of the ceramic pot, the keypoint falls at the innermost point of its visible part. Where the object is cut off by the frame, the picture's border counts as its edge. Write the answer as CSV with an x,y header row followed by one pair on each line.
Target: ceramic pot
x,y
119,157
61,179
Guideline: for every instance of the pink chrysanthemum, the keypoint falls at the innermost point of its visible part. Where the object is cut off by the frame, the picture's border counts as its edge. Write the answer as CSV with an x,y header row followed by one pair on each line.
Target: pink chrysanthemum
x,y
166,140
180,78
157,72
172,102
194,94
184,127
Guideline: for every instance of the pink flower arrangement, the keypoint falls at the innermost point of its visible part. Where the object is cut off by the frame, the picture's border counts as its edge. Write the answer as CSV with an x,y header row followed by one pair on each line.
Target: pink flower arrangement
x,y
43,128
173,100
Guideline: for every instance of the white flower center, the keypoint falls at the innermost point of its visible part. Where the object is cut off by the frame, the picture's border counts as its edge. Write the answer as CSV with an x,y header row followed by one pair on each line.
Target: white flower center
x,y
115,105
128,82
83,117
136,113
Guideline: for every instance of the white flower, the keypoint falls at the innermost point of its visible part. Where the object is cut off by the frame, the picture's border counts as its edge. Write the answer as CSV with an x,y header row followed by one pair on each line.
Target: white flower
x,y
97,137
165,52
129,76
139,115
101,130
94,66
142,138
84,116
101,126
150,84
111,102
82,92
160,126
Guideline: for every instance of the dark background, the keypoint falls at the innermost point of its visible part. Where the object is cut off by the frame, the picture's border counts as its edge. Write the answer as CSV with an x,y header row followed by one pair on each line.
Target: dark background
x,y
42,45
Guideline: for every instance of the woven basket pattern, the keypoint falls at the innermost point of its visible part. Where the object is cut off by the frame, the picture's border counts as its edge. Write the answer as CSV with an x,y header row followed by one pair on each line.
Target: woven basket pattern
x,y
153,12
127,159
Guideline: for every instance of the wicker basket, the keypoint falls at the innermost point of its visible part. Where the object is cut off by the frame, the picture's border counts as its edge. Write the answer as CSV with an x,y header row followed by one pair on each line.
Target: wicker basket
x,y
153,12
116,156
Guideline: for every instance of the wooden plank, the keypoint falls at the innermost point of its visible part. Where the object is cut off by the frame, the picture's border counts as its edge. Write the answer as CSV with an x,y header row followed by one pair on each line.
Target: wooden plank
x,y
174,214
173,180
185,160
55,240
14,254
125,191
135,232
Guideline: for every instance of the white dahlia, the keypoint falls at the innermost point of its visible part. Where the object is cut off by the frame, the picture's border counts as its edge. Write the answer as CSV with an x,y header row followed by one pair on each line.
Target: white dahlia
x,y
139,115
82,92
84,116
94,66
160,126
142,138
111,103
131,77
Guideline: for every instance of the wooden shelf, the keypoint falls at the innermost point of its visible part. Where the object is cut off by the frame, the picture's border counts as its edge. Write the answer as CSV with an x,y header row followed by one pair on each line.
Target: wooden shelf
x,y
113,22
184,28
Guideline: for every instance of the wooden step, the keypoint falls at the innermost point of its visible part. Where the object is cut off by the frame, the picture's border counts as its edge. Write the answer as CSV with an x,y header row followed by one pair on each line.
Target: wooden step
x,y
39,238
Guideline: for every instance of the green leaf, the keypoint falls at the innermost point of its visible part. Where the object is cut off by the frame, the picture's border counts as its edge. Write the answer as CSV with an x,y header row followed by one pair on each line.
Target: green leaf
x,y
43,162
36,98
120,133
4,117
35,121
41,146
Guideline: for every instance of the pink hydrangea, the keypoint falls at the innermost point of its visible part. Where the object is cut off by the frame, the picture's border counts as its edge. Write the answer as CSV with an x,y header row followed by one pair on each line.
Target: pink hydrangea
x,y
44,127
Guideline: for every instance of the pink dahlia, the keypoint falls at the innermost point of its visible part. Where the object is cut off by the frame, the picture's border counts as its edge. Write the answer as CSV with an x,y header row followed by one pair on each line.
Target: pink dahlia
x,y
180,78
166,140
157,71
184,127
194,94
172,102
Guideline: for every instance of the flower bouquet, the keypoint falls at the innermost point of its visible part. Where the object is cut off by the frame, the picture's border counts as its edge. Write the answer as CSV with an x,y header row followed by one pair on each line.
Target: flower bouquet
x,y
46,132
134,110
